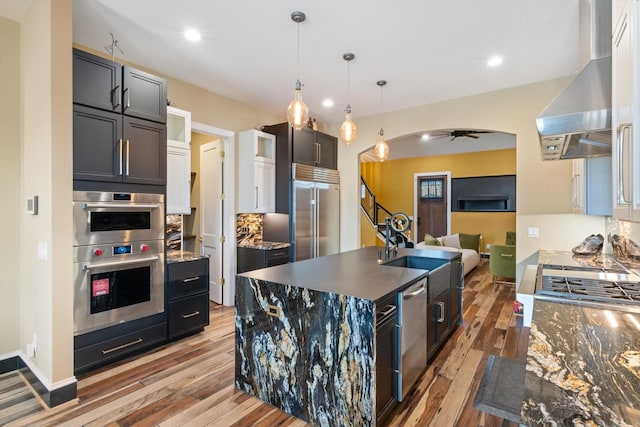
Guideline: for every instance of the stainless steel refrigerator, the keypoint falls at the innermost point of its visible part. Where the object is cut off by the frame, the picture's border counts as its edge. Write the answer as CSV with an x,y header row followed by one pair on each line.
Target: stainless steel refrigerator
x,y
315,222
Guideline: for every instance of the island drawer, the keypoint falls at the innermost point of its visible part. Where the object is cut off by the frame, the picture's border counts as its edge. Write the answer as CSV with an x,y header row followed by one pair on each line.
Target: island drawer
x,y
277,257
187,278
188,315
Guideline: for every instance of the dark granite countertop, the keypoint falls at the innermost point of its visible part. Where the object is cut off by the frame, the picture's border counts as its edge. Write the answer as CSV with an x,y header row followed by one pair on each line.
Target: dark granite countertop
x,y
181,256
355,273
583,366
262,245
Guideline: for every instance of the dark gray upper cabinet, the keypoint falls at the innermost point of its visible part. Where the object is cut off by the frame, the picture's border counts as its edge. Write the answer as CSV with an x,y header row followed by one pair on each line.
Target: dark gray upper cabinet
x,y
315,148
327,147
144,152
144,95
96,144
304,147
104,84
109,147
97,82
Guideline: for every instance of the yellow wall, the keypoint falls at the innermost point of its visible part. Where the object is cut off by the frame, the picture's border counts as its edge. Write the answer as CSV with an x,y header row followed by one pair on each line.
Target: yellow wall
x,y
393,184
10,165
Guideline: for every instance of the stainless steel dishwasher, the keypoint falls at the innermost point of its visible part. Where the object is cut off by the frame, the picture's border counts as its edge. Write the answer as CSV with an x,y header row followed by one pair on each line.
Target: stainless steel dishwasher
x,y
412,307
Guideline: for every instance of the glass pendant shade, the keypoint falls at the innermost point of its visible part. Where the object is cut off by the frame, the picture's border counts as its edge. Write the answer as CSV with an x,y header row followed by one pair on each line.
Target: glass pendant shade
x,y
382,148
348,130
298,112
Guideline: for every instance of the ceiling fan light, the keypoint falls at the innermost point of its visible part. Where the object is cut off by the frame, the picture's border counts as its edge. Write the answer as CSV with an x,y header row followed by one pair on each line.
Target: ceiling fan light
x,y
382,148
348,129
298,112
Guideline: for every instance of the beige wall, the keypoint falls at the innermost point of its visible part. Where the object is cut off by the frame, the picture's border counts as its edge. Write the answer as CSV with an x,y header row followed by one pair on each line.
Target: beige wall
x,y
10,165
543,188
47,285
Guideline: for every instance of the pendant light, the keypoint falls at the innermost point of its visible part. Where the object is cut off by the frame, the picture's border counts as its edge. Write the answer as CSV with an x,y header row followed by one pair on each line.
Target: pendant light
x,y
348,130
298,112
382,148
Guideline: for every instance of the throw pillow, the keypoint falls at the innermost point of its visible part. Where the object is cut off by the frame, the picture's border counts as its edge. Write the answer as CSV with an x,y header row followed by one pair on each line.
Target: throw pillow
x,y
451,240
429,240
470,241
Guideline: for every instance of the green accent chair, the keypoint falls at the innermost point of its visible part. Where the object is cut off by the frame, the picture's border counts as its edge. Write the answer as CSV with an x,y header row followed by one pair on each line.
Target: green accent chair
x,y
502,261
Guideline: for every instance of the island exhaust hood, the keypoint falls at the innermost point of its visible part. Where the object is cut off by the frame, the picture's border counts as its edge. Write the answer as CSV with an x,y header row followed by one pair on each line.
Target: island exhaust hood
x,y
577,123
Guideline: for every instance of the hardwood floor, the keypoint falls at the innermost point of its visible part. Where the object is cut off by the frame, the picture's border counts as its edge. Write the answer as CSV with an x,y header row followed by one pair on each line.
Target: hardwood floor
x,y
191,381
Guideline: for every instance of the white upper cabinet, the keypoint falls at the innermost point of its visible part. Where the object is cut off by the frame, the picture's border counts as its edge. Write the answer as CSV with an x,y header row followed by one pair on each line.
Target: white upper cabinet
x,y
256,172
178,161
625,103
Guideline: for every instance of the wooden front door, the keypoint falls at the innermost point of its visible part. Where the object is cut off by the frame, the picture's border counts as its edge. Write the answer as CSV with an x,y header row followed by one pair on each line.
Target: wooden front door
x,y
432,206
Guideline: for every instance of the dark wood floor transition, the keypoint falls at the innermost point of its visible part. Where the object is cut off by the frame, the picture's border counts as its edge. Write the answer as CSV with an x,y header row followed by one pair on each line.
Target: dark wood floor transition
x,y
190,382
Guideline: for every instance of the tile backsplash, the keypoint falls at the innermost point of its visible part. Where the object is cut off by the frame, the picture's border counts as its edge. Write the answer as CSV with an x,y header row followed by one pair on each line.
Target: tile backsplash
x,y
249,228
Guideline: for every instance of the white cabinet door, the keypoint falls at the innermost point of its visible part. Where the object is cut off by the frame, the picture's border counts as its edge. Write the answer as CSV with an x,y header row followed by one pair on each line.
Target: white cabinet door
x,y
577,186
178,179
257,172
265,184
624,104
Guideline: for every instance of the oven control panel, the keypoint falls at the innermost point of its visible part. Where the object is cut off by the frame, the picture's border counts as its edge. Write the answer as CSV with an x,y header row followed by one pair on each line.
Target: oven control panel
x,y
117,250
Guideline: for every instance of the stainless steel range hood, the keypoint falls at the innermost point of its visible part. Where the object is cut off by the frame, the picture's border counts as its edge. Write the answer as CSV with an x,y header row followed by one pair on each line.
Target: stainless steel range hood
x,y
577,123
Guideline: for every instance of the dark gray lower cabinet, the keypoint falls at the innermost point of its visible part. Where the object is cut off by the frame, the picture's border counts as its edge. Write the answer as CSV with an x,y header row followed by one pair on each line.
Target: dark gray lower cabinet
x,y
253,258
187,296
387,351
98,348
439,323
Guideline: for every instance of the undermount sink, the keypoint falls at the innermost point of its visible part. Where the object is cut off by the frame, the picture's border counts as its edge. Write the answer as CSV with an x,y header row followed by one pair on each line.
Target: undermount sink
x,y
415,262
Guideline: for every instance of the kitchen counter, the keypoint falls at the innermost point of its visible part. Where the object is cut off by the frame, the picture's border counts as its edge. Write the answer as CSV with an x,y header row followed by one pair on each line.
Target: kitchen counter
x,y
354,273
181,256
583,365
264,245
306,333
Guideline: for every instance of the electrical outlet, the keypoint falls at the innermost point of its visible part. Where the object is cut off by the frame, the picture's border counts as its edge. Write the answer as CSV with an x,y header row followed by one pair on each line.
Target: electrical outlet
x,y
533,232
488,246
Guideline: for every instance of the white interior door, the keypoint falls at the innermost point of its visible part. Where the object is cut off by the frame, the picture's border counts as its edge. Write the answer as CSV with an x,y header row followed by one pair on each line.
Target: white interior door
x,y
211,170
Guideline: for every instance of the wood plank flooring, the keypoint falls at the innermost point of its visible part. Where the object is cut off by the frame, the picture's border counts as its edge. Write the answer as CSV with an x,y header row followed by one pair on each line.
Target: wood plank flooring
x,y
191,382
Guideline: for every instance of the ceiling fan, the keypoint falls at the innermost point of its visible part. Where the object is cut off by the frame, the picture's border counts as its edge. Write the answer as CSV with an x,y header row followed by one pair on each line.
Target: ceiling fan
x,y
459,133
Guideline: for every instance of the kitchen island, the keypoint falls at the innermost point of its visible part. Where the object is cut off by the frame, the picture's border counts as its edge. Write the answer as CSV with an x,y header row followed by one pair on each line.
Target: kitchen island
x,y
583,365
306,332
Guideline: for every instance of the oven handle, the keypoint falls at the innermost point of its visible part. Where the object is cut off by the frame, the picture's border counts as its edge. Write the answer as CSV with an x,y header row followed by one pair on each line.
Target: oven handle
x,y
87,267
137,206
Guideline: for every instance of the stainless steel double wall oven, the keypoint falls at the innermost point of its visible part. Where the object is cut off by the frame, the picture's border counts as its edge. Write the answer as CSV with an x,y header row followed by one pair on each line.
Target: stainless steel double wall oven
x,y
118,257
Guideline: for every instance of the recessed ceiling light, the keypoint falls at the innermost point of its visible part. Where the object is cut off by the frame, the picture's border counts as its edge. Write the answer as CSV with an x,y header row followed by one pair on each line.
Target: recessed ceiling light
x,y
328,103
494,61
425,137
192,35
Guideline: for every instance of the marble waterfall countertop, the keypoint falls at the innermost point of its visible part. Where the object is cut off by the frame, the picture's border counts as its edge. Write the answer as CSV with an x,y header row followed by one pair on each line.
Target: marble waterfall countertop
x,y
583,366
263,245
355,273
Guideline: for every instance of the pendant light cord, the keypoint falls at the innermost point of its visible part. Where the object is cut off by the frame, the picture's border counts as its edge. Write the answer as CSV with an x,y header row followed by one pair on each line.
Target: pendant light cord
x,y
349,83
298,27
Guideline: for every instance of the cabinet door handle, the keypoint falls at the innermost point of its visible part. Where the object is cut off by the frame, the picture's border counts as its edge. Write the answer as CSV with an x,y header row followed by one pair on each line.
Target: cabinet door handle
x,y
191,279
120,154
116,92
187,316
127,162
277,254
461,275
122,347
622,190
319,148
256,197
126,91
441,318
